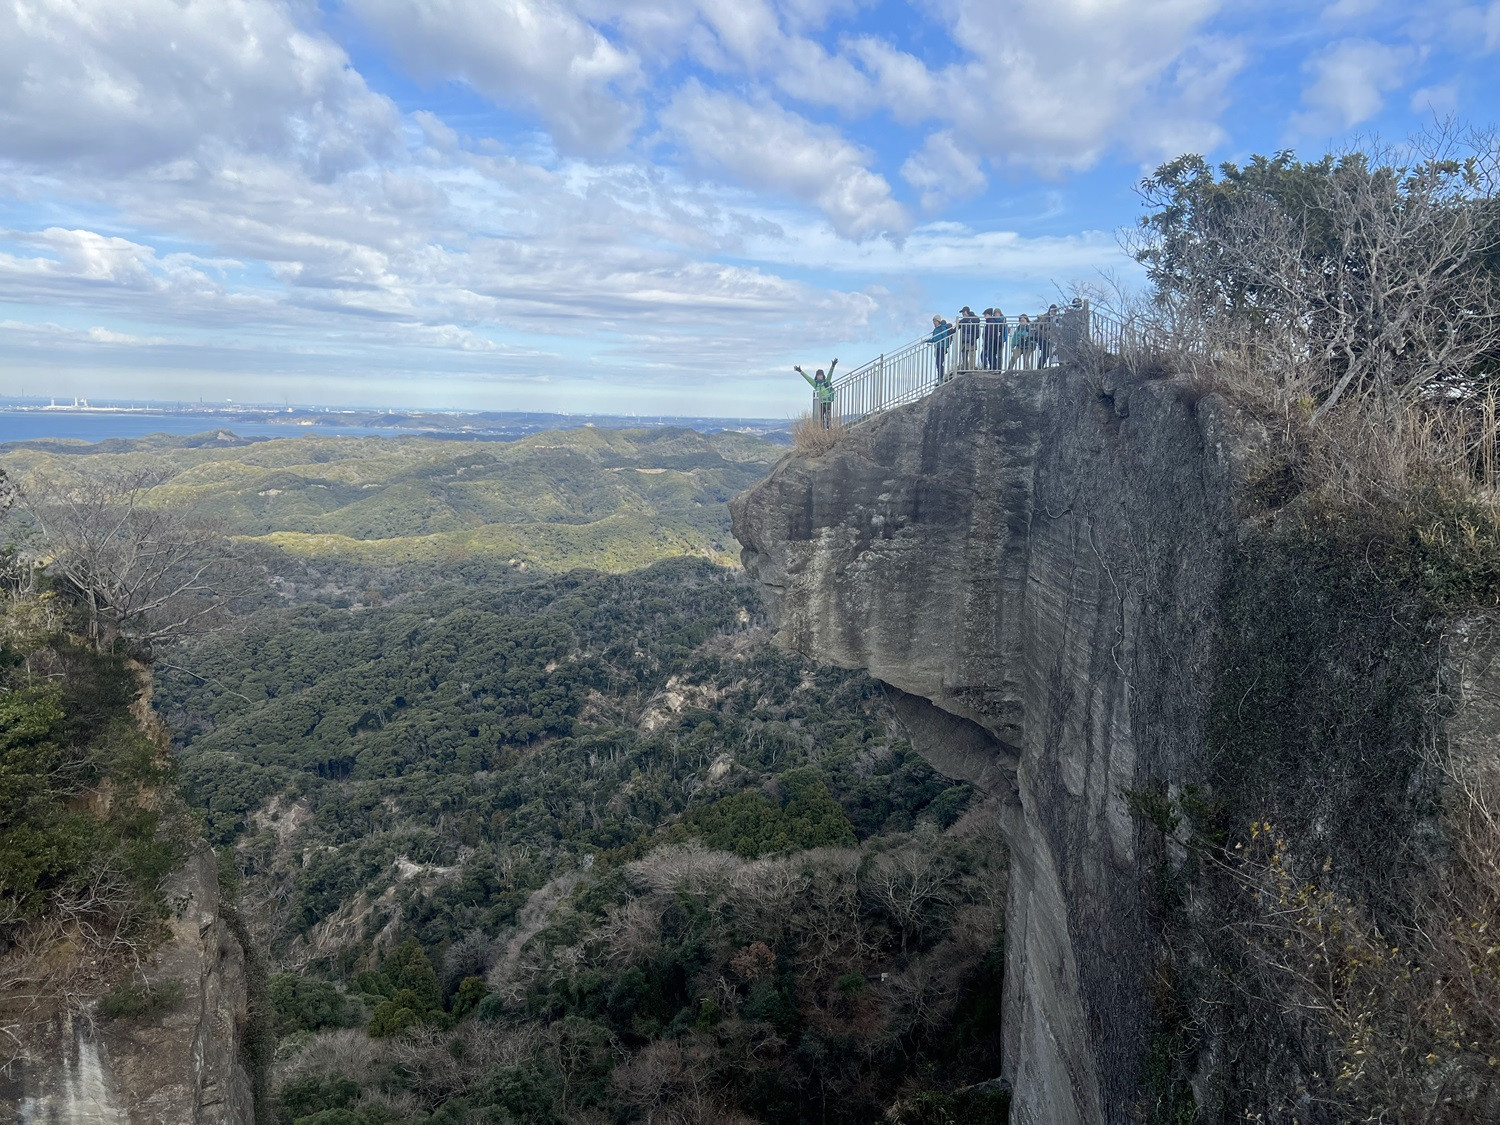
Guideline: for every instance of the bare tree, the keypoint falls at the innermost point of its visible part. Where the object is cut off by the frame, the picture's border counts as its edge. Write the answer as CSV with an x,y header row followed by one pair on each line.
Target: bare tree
x,y
1368,275
144,569
914,885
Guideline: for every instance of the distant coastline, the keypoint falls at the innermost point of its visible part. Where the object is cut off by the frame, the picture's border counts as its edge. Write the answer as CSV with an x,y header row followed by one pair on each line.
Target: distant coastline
x,y
79,420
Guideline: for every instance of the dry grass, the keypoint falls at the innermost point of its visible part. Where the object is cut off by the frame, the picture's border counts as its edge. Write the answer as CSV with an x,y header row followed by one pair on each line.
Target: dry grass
x,y
1431,465
1413,1013
1367,460
811,439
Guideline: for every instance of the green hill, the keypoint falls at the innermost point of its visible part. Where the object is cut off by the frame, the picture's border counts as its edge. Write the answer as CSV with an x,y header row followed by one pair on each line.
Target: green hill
x,y
611,500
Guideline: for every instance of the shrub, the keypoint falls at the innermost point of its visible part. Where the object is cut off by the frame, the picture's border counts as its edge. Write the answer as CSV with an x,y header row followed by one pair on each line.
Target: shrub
x,y
472,991
974,1106
333,1117
752,824
301,1004
810,438
1412,1008
133,1001
302,1098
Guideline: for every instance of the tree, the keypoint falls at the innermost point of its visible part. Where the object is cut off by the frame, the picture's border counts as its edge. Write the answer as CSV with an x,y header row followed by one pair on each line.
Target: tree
x,y
143,568
40,843
914,885
1366,275
409,968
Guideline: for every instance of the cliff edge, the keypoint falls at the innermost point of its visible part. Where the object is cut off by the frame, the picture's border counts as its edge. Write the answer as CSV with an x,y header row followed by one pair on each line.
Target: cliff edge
x,y
1052,576
127,1001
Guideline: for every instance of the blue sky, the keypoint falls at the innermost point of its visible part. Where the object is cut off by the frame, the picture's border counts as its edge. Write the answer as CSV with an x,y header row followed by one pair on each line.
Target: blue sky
x,y
623,205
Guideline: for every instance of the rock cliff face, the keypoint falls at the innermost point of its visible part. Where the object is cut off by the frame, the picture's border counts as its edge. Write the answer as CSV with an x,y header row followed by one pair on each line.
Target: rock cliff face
x,y
180,1066
1035,565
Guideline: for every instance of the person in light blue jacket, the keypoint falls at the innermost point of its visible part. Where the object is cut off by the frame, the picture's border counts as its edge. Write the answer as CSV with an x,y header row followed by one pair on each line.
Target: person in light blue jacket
x,y
941,340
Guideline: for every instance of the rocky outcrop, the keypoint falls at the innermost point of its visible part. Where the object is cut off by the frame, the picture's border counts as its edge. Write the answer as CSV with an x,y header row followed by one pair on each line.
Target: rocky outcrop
x,y
179,1065
1034,563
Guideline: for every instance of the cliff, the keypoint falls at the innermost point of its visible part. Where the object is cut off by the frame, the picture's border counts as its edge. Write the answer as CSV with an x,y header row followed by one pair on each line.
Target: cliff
x,y
1059,575
126,1002
73,1064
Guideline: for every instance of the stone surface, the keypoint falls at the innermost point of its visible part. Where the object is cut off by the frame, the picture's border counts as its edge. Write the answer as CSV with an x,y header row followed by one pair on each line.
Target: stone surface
x,y
1036,570
179,1067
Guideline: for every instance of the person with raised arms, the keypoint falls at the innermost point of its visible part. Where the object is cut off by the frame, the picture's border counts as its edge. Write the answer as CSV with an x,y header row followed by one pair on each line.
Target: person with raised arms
x,y
822,385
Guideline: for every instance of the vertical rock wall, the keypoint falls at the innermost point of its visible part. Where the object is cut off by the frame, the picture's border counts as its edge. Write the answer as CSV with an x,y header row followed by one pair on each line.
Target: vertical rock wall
x,y
180,1066
1035,564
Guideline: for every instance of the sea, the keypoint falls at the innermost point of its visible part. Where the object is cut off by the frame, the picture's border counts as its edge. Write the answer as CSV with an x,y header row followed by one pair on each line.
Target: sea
x,y
35,425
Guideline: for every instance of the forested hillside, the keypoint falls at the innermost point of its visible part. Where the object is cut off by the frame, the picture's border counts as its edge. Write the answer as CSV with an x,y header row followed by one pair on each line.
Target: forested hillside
x,y
607,499
517,842
594,849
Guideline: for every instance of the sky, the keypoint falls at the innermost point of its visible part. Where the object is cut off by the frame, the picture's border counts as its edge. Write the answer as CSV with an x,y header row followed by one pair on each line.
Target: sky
x,y
624,206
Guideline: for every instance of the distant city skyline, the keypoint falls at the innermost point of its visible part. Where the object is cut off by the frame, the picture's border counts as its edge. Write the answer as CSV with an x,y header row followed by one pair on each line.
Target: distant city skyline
x,y
621,206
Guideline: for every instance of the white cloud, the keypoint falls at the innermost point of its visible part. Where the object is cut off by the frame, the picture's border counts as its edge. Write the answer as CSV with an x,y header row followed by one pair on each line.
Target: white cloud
x,y
1435,101
1352,11
957,249
1349,81
125,84
88,270
770,41
770,148
902,81
535,53
101,335
805,70
1187,119
497,256
50,334
745,28
1052,84
942,172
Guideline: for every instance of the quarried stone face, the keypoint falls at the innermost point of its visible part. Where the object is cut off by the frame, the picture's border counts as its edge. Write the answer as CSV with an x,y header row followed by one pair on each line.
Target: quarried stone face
x,y
1034,569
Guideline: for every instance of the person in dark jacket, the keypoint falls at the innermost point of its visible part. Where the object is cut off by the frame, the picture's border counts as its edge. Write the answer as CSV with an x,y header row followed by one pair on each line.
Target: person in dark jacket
x,y
1073,327
941,340
1046,335
995,332
968,338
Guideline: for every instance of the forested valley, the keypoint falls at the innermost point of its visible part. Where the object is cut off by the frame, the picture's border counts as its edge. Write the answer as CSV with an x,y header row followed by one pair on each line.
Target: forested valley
x,y
523,816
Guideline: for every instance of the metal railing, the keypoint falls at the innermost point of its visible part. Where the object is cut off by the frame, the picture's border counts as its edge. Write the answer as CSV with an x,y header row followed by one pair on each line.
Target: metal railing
x,y
993,345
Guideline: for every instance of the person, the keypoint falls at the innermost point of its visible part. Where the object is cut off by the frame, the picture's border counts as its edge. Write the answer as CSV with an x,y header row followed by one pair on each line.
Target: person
x,y
941,340
995,332
1021,342
1076,319
822,386
968,338
1046,335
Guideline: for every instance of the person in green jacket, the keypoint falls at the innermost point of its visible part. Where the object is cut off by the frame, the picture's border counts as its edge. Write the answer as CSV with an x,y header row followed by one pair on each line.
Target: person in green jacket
x,y
822,386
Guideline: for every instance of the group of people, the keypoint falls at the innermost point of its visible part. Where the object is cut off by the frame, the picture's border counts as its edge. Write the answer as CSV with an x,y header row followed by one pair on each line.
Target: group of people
x,y
981,340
